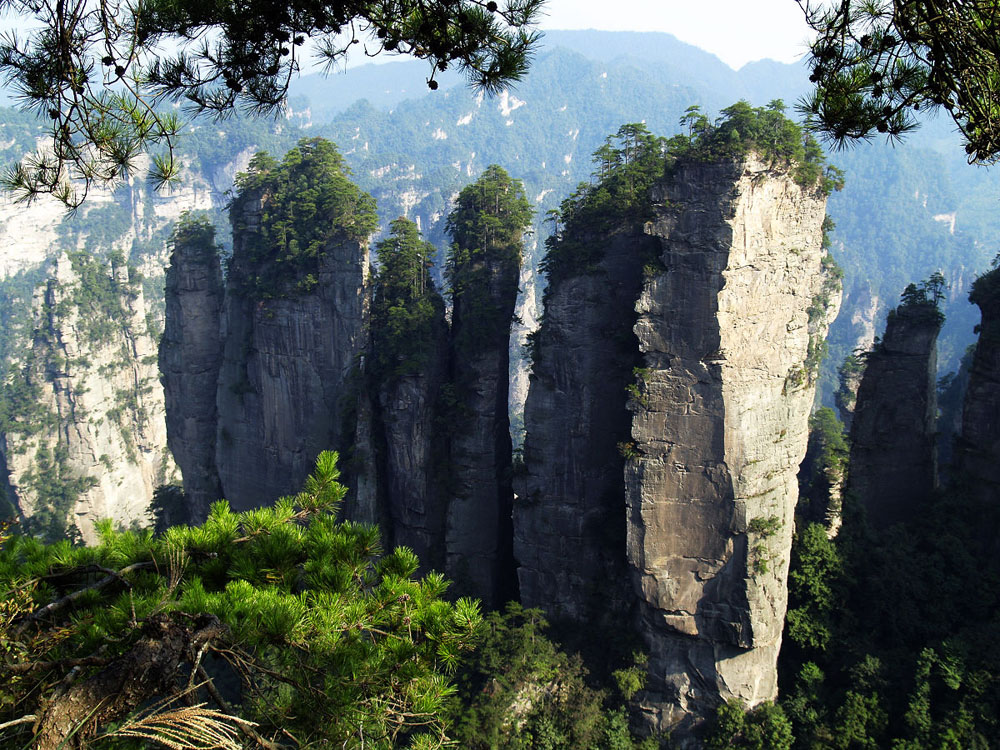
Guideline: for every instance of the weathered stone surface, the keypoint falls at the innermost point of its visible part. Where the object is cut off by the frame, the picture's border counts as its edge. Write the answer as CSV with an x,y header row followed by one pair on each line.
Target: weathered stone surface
x,y
893,465
96,438
569,516
412,463
720,305
285,364
478,522
720,429
977,451
190,358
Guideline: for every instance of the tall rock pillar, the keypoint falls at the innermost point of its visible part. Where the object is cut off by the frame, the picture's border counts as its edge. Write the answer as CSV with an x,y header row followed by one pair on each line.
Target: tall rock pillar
x,y
487,225
190,358
977,451
292,321
569,520
893,465
729,332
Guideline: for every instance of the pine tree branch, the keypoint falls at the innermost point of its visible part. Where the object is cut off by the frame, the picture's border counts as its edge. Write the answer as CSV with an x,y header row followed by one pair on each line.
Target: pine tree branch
x,y
59,604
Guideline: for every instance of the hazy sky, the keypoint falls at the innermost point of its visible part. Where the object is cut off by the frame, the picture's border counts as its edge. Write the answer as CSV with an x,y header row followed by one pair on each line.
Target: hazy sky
x,y
737,31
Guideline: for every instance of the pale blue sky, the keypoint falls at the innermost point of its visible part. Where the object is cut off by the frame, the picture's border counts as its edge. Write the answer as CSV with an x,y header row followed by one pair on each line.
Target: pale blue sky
x,y
737,31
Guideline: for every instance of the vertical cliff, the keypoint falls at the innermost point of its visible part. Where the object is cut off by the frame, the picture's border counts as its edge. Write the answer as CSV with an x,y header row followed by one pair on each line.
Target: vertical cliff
x,y
84,436
406,368
730,333
190,358
487,225
569,521
893,459
292,320
977,451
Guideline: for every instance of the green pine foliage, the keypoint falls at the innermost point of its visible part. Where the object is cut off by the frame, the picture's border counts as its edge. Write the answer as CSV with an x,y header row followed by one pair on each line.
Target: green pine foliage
x,y
633,159
889,638
742,129
519,691
487,226
923,300
102,294
332,641
764,728
307,200
407,308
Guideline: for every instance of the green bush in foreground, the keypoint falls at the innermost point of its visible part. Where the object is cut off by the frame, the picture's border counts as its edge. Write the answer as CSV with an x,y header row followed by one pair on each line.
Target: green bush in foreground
x,y
279,625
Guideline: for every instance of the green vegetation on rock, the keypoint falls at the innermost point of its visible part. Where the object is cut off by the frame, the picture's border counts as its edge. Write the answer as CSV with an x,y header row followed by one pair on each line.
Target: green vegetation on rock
x,y
306,202
332,642
407,307
487,226
633,159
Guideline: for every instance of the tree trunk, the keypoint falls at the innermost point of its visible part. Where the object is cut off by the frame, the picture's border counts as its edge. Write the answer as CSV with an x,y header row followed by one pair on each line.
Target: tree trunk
x,y
148,670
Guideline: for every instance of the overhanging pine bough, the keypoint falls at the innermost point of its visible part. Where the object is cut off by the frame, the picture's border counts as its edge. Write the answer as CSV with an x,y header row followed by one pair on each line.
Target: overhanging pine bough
x,y
98,69
877,62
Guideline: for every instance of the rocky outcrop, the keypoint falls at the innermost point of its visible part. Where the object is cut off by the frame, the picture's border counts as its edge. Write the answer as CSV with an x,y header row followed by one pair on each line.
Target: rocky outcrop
x,y
286,358
410,446
707,325
730,333
569,520
190,358
892,464
478,526
977,451
84,434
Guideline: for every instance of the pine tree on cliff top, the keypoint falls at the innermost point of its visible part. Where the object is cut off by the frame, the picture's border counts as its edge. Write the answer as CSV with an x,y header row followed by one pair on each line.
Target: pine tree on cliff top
x,y
487,226
406,301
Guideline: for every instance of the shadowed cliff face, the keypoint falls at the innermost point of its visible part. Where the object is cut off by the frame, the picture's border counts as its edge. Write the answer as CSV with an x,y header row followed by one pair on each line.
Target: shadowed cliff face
x,y
719,429
893,466
478,536
408,446
977,451
569,517
190,358
285,362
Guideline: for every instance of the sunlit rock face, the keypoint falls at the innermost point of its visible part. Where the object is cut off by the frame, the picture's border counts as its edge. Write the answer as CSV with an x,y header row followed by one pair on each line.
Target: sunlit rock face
x,y
88,441
720,427
666,421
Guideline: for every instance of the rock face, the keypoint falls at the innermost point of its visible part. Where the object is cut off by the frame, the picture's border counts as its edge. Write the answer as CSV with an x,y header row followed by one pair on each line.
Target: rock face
x,y
410,451
977,451
569,520
729,333
85,437
706,324
893,465
478,528
285,363
190,358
